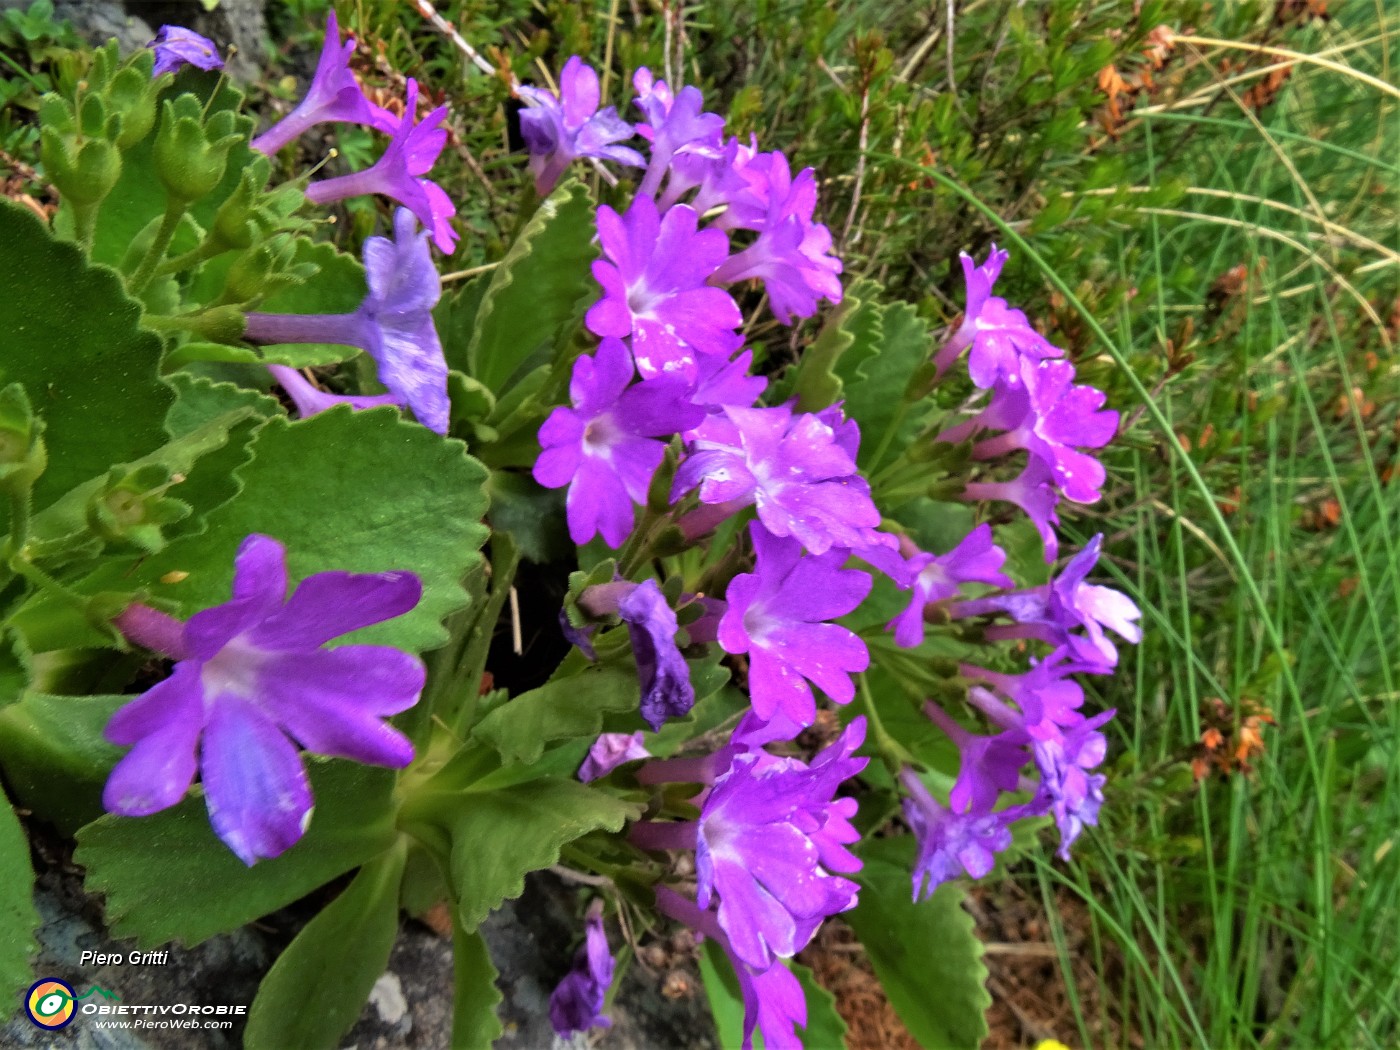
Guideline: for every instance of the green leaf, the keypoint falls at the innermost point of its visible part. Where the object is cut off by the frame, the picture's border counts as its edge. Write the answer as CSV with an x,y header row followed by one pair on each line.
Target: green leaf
x,y
559,710
852,332
897,934
535,295
825,1028
167,877
454,317
526,825
874,384
18,919
532,514
54,757
354,491
71,336
200,401
318,986
475,1024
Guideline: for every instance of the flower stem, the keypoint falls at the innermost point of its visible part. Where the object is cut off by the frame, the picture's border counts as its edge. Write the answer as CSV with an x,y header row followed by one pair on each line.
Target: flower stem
x,y
155,252
152,629
662,835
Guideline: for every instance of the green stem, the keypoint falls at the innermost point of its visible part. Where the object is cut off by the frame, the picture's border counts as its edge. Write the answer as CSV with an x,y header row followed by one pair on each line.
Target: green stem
x,y
891,750
155,253
85,224
207,250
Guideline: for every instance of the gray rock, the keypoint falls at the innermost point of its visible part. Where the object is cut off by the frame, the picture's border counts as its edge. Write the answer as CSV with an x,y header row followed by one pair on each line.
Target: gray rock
x,y
531,941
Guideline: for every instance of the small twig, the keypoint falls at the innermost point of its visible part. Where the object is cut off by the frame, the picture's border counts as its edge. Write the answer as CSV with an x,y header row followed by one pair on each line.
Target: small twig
x,y
516,642
470,272
448,30
862,146
582,877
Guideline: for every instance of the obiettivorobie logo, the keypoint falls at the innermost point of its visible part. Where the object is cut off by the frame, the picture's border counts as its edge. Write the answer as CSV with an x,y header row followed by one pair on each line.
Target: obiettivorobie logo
x,y
51,1003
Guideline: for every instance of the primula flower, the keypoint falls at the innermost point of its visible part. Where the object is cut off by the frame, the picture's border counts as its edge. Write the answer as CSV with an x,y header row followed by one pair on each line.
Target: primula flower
x,y
936,577
1050,612
655,291
1068,790
671,123
1049,700
665,676
1051,418
792,253
176,46
953,844
397,174
334,95
577,1003
732,178
609,751
774,1003
1033,490
776,614
606,447
561,128
252,677
771,844
394,323
987,765
799,472
1000,336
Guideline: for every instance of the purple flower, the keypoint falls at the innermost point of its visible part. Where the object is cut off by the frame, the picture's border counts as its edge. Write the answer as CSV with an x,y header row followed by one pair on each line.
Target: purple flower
x,y
774,1002
935,577
609,751
953,844
394,323
771,844
733,178
606,447
1051,418
799,471
665,676
398,173
176,46
987,765
1033,490
655,291
560,128
672,123
999,335
791,255
334,95
1068,790
776,614
577,1002
1051,612
252,676
719,383
1049,700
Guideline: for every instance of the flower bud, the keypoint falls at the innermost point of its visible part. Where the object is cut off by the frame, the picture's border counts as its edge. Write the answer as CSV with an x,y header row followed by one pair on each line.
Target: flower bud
x,y
22,453
190,156
79,160
131,508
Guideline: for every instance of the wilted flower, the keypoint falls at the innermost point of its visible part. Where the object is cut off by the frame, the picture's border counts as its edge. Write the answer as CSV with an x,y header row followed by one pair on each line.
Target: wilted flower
x,y
334,95
609,751
394,323
252,676
665,676
577,1003
176,46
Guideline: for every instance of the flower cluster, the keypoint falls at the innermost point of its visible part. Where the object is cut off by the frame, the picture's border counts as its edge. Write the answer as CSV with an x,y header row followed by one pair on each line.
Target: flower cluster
x,y
770,841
